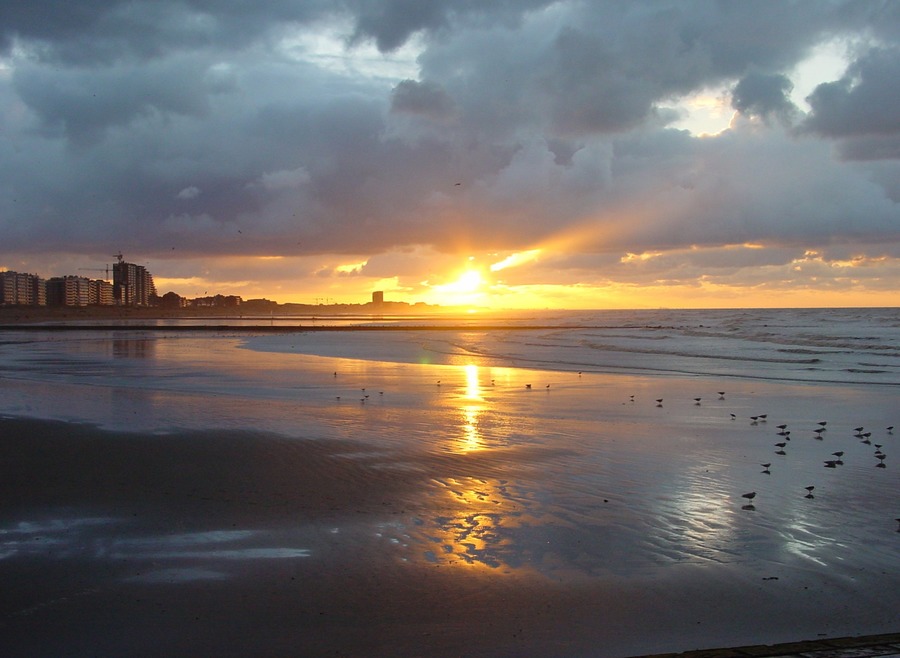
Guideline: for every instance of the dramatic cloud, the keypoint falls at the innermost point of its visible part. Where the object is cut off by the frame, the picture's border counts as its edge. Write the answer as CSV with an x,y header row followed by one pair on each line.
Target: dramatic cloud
x,y
764,96
294,146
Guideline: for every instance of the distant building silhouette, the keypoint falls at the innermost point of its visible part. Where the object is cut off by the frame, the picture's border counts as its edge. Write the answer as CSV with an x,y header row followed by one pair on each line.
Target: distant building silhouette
x,y
132,284
378,297
68,291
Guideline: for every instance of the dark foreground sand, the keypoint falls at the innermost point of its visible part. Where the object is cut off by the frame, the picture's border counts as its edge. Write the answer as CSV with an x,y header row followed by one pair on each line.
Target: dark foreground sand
x,y
247,544
70,589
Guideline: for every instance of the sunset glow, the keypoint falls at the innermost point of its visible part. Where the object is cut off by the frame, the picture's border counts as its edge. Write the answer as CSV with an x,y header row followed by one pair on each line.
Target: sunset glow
x,y
333,152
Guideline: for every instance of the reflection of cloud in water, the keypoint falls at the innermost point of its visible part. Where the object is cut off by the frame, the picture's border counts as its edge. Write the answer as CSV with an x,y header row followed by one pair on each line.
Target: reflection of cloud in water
x,y
79,539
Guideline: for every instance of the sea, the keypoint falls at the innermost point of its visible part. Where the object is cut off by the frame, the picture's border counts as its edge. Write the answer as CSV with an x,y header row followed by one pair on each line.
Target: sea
x,y
602,446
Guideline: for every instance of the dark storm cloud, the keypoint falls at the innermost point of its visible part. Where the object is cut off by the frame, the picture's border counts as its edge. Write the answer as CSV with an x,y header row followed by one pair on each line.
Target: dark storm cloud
x,y
763,95
101,31
392,22
863,102
422,98
225,128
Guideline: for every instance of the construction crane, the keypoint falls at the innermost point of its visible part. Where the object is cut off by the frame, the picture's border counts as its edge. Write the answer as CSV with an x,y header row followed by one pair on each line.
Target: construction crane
x,y
97,269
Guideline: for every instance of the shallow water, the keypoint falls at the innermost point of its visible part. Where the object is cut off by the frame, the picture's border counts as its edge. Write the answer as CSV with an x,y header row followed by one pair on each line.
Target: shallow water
x,y
535,454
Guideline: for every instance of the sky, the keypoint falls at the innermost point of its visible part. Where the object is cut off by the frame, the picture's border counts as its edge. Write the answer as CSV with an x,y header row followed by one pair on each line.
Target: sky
x,y
502,153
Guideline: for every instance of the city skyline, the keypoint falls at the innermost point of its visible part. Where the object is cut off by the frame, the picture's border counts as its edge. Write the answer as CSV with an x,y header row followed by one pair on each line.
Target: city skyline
x,y
559,154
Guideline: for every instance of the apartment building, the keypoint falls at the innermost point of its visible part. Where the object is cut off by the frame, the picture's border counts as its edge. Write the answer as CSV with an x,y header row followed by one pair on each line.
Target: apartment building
x,y
18,289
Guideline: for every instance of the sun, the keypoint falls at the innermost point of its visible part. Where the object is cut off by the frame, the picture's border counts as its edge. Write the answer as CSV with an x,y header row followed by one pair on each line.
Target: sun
x,y
470,288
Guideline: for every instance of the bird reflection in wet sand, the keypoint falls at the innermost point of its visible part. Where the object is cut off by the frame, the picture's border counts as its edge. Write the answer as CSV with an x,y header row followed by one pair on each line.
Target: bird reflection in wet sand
x,y
809,491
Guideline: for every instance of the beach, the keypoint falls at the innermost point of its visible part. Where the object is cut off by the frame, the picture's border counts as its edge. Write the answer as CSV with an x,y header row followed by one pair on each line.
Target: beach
x,y
462,493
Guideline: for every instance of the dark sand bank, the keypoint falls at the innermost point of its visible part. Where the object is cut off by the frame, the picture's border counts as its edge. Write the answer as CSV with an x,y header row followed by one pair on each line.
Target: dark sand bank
x,y
243,544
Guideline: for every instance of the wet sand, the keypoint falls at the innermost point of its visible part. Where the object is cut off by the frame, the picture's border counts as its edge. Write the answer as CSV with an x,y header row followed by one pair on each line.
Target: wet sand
x,y
220,500
236,543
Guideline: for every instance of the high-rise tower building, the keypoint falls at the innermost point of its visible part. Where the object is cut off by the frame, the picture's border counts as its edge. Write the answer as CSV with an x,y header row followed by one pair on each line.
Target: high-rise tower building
x,y
132,284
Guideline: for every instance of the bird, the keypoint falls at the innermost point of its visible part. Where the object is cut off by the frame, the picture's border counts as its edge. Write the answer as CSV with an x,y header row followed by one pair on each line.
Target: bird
x,y
527,385
763,417
781,427
831,463
721,395
822,423
890,429
838,454
766,465
809,491
858,429
749,496
659,402
697,401
780,444
732,416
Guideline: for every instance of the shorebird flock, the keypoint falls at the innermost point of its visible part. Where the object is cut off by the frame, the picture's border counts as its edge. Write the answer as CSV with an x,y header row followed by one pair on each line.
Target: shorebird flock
x,y
832,460
782,445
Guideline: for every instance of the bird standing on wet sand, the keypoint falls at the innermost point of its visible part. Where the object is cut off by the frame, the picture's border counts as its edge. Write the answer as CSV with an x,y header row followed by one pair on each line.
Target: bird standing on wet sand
x,y
749,496
809,491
